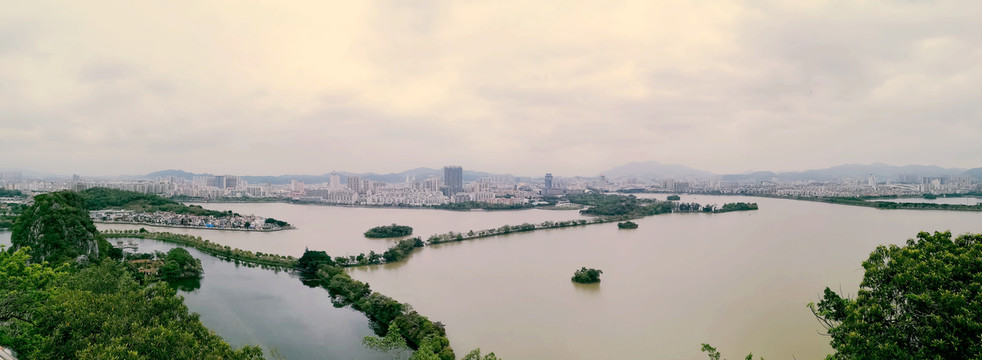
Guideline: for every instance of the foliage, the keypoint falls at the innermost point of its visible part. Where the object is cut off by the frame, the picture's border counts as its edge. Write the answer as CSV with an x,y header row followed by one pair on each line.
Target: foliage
x,y
402,249
104,198
392,342
627,225
472,205
715,355
587,276
673,197
389,231
208,247
312,260
10,193
919,301
179,264
476,355
279,223
890,205
740,206
619,205
57,228
99,313
930,196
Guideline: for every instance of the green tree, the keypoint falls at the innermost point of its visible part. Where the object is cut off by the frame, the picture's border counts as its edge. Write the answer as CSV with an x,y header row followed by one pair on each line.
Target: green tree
x,y
392,342
57,229
585,276
476,355
919,301
179,264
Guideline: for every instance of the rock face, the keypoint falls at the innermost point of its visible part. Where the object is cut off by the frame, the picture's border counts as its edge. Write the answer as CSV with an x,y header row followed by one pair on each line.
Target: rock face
x,y
57,228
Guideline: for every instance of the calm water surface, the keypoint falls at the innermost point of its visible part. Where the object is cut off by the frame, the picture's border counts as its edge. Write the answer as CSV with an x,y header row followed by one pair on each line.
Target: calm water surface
x,y
272,309
940,200
739,281
340,230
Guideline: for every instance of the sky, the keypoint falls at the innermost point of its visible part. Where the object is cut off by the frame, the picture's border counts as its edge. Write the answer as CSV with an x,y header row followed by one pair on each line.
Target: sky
x,y
287,87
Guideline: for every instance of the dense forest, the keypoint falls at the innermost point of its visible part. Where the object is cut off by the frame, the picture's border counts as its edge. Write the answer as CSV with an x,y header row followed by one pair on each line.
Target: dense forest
x,y
63,295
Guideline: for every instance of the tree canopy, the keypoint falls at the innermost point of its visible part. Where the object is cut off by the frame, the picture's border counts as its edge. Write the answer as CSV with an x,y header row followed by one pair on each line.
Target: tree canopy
x,y
179,264
586,276
919,301
57,229
99,312
389,231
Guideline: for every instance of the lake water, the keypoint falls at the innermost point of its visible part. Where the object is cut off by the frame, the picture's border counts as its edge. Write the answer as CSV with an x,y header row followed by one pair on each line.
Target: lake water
x,y
272,309
739,281
340,230
940,200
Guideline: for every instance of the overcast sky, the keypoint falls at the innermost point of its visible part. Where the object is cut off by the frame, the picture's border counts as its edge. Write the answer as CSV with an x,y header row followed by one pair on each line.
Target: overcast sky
x,y
272,87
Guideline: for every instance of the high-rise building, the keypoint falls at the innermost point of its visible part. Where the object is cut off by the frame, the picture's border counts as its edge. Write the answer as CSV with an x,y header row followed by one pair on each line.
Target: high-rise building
x,y
218,181
354,183
548,181
335,181
231,181
453,177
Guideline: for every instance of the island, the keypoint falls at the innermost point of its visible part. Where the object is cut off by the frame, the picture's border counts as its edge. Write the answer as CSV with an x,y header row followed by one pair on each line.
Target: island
x,y
673,197
587,276
176,264
389,231
627,225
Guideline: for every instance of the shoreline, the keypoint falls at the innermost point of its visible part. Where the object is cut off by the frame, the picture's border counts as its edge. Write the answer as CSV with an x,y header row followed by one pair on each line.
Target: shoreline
x,y
190,227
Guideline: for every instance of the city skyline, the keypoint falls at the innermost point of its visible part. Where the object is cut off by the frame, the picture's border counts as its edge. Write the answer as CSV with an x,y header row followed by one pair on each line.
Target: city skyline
x,y
108,88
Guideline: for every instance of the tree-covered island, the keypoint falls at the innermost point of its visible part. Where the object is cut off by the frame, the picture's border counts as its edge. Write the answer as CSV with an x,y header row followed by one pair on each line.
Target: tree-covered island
x,y
627,225
587,276
389,231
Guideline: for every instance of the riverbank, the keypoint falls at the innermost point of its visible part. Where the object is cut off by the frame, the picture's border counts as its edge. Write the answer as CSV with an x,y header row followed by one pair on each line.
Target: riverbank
x,y
865,202
193,227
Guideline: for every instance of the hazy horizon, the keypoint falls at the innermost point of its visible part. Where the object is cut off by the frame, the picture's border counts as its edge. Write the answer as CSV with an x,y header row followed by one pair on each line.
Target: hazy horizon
x,y
508,87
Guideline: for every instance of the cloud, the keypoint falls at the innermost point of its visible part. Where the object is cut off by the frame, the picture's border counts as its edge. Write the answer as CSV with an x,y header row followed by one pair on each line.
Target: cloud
x,y
506,86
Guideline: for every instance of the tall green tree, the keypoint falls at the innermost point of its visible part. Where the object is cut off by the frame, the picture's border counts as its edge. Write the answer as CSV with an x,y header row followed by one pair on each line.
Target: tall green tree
x,y
919,301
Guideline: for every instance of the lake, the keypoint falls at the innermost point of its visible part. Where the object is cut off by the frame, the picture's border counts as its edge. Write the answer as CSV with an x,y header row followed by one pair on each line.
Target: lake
x,y
941,200
739,280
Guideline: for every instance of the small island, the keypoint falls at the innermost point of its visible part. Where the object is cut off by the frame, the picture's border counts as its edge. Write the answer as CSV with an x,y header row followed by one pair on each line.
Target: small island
x,y
176,264
627,225
389,231
673,197
587,276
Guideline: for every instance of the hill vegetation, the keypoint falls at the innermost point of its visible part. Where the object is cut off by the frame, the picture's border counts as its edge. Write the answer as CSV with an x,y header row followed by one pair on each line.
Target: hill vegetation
x,y
103,198
57,229
64,296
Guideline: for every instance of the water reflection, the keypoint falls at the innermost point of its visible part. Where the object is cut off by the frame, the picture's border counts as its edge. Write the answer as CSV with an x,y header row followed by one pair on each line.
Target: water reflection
x,y
591,289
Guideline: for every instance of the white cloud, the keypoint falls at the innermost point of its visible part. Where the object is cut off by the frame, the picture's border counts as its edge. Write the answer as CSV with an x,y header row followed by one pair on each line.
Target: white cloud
x,y
505,86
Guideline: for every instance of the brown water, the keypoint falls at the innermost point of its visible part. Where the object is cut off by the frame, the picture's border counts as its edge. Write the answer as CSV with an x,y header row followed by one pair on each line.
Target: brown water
x,y
739,281
340,230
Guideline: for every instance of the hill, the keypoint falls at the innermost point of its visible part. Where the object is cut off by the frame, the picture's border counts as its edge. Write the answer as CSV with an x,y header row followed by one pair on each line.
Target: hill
x,y
655,170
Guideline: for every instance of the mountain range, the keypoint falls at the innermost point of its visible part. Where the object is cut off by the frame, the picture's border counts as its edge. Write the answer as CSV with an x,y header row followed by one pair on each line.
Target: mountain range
x,y
643,170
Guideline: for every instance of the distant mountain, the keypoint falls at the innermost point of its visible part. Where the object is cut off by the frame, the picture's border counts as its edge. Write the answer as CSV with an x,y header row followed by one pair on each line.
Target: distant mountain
x,y
879,170
181,174
654,169
975,173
